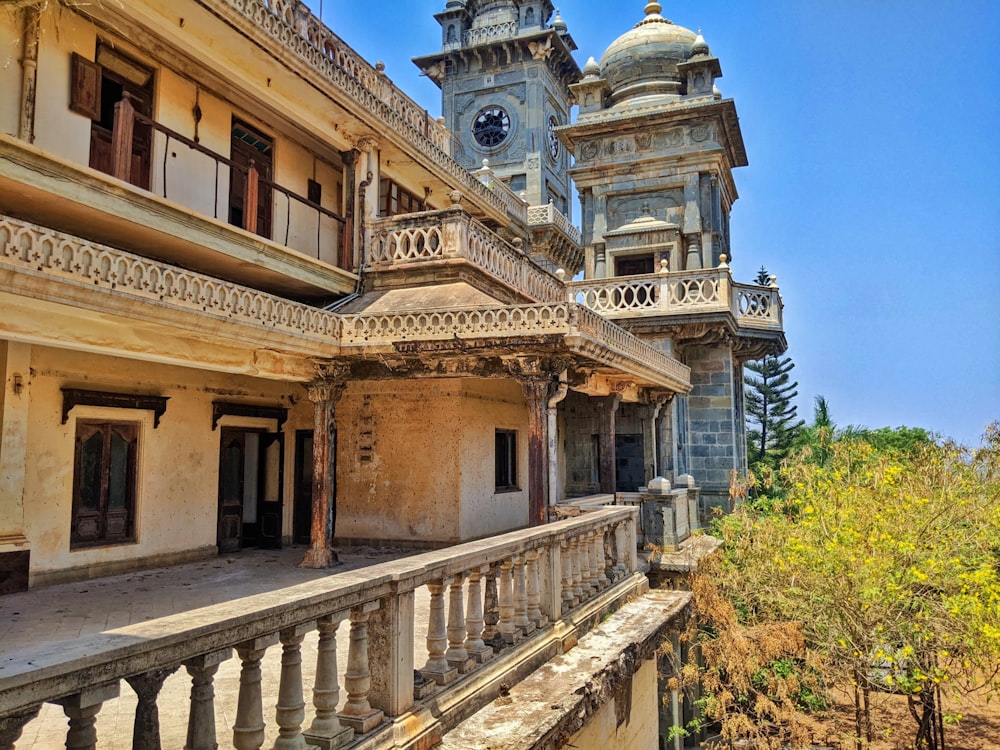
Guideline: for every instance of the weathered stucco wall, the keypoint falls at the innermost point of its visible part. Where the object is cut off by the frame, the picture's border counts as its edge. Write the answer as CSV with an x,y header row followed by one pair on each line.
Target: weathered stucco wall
x,y
177,477
625,722
489,405
415,460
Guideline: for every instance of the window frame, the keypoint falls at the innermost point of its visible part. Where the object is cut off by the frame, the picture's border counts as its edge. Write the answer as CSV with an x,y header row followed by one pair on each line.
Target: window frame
x,y
129,431
505,461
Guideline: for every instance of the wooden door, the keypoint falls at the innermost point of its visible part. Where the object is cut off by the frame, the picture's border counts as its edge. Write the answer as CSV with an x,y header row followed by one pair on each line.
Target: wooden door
x,y
270,479
232,461
248,146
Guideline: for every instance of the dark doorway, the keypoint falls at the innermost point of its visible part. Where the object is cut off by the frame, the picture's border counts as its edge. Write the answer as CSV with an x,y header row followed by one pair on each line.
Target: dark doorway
x,y
302,506
249,145
250,489
630,463
120,76
633,265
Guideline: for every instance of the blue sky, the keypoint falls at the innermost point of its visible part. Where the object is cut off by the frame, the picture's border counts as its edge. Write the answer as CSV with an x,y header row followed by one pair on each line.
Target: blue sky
x,y
872,192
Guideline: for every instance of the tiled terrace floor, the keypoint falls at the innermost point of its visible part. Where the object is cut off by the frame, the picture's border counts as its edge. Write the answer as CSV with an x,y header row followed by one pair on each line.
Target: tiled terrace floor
x,y
70,611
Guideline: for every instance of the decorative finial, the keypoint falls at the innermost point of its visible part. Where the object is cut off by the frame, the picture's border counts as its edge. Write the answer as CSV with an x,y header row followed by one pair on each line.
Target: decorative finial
x,y
774,281
722,261
561,274
664,265
653,8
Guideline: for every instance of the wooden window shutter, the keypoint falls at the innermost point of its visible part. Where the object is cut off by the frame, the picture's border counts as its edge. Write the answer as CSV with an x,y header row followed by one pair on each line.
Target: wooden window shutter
x,y
85,87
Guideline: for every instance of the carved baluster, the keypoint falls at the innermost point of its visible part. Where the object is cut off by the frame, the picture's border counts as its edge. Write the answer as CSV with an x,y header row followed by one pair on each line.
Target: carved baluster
x,y
595,571
602,555
12,726
82,709
201,713
586,579
248,729
437,667
291,709
358,713
456,654
534,591
506,625
566,554
326,731
474,644
617,569
574,553
146,726
491,616
521,621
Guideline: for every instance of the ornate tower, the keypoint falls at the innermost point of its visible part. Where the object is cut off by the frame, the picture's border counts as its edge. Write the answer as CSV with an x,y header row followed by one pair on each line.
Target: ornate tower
x,y
505,76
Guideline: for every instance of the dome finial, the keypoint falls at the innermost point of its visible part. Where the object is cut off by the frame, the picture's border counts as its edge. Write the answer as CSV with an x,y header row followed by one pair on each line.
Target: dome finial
x,y
653,7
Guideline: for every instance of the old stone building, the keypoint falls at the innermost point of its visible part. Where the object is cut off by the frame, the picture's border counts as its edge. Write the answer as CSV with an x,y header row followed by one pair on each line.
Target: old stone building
x,y
252,295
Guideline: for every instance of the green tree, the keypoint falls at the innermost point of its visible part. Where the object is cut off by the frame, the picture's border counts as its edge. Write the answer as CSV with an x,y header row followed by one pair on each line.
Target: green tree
x,y
763,278
770,413
889,562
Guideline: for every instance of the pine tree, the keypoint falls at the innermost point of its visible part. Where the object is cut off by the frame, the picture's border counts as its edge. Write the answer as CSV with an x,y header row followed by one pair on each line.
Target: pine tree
x,y
771,416
763,277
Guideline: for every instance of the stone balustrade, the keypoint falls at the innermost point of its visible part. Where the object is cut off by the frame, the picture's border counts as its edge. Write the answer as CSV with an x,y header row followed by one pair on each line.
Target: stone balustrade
x,y
517,207
290,25
508,596
681,292
29,248
492,33
548,214
453,233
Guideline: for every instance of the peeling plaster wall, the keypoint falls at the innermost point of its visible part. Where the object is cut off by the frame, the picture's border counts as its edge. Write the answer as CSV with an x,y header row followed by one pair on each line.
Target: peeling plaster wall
x,y
415,460
626,722
177,478
489,405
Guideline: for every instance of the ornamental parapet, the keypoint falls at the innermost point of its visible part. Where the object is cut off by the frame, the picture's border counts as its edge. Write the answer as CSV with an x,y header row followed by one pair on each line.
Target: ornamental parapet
x,y
681,293
290,24
582,333
404,680
554,240
40,252
452,233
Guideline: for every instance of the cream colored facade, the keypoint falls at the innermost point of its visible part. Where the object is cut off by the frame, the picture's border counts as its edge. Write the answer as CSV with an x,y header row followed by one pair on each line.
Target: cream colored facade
x,y
248,298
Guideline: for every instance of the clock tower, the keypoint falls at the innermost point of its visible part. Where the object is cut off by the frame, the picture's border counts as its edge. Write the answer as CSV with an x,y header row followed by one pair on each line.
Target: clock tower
x,y
504,71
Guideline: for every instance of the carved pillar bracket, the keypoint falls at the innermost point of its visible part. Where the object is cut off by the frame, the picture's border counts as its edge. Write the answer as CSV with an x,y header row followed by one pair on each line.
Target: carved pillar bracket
x,y
324,392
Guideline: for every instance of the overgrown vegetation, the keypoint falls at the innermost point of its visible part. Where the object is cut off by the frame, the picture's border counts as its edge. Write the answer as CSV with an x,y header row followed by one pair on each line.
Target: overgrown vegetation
x,y
872,562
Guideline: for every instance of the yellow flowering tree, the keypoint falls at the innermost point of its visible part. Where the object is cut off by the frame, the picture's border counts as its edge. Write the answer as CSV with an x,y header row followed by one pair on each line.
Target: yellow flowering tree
x,y
889,560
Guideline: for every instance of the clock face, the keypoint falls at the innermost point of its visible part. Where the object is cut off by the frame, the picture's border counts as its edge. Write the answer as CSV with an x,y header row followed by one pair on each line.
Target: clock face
x,y
491,126
553,139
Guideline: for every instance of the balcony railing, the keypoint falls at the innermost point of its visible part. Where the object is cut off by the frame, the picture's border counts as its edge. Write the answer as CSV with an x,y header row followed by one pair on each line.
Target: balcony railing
x,y
289,24
516,206
679,293
125,120
493,32
453,233
482,598
549,214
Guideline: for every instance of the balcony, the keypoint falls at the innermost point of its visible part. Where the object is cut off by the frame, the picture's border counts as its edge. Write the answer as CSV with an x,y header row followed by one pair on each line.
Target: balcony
x,y
49,191
673,297
428,640
417,245
555,239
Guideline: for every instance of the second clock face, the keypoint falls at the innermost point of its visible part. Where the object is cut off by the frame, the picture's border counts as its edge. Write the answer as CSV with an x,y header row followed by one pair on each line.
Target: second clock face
x,y
553,138
491,126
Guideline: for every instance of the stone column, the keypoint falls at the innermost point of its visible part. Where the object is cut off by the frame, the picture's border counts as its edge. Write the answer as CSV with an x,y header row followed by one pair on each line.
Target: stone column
x,y
326,731
324,396
15,373
248,729
201,716
146,726
82,709
358,713
536,394
437,667
475,617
